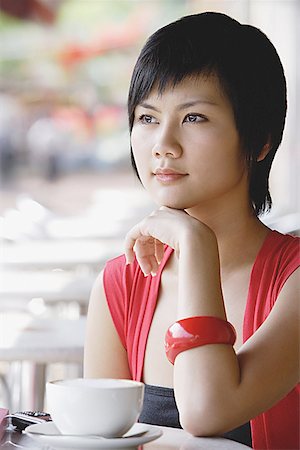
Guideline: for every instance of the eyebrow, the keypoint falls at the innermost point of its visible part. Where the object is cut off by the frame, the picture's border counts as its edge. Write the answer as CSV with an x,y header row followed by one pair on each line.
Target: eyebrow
x,y
182,106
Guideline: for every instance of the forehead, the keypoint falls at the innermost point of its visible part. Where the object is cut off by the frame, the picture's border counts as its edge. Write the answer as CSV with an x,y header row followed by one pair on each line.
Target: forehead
x,y
206,88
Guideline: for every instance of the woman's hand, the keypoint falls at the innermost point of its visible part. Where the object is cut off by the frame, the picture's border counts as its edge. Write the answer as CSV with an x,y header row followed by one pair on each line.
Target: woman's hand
x,y
164,226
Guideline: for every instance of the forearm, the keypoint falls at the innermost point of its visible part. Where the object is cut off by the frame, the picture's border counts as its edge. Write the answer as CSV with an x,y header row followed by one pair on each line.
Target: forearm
x,y
199,285
207,377
216,389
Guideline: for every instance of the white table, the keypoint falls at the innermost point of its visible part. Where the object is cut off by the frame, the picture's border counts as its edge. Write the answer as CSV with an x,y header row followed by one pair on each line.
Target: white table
x,y
33,344
24,289
175,438
59,254
172,438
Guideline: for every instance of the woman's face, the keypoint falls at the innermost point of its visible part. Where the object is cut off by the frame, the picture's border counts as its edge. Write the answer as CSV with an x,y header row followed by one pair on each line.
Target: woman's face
x,y
186,145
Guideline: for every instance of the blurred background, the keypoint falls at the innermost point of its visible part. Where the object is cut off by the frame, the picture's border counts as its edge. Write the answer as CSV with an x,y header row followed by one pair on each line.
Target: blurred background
x,y
68,194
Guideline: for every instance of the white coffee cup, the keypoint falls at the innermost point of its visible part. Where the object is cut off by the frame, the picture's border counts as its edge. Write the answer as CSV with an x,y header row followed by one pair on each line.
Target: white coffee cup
x,y
86,406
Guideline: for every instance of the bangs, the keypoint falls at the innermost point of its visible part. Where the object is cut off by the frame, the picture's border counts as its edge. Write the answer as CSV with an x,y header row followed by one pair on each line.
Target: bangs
x,y
160,75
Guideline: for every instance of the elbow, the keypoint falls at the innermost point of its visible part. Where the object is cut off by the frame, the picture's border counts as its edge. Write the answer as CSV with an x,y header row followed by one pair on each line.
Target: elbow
x,y
208,421
197,425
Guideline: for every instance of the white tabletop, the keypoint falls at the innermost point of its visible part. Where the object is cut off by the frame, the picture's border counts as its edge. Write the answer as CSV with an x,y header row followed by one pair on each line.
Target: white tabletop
x,y
175,438
172,438
59,254
51,285
42,340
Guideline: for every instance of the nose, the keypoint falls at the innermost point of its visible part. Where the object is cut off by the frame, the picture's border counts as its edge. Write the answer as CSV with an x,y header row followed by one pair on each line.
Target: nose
x,y
166,144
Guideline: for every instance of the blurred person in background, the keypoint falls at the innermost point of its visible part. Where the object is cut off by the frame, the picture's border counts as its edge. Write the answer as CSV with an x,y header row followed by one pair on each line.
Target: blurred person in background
x,y
203,305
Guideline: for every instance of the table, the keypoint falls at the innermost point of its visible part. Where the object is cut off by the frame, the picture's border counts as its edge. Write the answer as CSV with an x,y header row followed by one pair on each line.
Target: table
x,y
26,288
111,213
172,438
59,254
33,344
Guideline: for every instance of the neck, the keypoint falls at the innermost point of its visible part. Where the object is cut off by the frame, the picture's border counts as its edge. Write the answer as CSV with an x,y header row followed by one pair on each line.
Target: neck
x,y
239,233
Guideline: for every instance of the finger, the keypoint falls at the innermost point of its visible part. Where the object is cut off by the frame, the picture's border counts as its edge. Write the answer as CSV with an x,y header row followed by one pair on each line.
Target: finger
x,y
148,264
144,249
154,264
129,243
145,246
145,265
128,251
159,251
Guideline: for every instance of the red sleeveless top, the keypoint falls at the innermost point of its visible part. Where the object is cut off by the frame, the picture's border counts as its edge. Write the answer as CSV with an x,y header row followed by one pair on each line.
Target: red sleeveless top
x,y
132,300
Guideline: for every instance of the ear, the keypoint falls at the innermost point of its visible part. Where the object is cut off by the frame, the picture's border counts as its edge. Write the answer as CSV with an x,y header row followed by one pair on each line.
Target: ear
x,y
265,150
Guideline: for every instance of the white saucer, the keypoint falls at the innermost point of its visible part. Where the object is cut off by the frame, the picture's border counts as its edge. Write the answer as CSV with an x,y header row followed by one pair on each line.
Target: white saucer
x,y
47,433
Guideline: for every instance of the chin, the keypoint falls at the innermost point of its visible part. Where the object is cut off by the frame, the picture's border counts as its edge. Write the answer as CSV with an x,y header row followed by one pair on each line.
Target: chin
x,y
175,204
175,199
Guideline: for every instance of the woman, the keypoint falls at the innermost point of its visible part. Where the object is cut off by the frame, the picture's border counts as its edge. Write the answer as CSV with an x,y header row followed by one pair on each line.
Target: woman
x,y
207,106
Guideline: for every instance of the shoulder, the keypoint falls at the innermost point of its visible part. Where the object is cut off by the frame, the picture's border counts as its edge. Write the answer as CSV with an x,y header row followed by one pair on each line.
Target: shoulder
x,y
273,270
116,271
122,281
277,243
279,255
117,263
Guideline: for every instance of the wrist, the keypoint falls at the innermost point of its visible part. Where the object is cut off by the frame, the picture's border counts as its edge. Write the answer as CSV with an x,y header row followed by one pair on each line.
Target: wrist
x,y
199,241
199,250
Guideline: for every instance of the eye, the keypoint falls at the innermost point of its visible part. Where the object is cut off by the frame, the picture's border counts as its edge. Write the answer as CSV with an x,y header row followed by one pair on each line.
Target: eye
x,y
194,118
147,119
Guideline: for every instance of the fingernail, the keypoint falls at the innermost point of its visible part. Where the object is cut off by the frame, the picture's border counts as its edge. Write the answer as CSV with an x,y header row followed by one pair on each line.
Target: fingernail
x,y
153,274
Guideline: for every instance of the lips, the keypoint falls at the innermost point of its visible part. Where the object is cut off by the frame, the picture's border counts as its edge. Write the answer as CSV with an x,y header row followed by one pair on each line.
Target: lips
x,y
167,175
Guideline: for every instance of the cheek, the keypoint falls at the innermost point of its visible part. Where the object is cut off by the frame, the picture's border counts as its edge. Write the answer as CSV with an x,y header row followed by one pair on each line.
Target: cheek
x,y
136,142
133,137
142,138
140,151
219,158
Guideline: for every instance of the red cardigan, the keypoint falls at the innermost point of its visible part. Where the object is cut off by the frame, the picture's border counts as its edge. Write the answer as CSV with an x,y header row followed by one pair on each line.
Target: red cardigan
x,y
132,300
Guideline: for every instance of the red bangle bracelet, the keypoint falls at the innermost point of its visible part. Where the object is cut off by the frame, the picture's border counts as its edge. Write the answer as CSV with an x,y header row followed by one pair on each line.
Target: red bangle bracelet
x,y
196,331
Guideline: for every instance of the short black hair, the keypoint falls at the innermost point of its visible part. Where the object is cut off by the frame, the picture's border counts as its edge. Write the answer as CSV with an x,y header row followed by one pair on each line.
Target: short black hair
x,y
249,71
